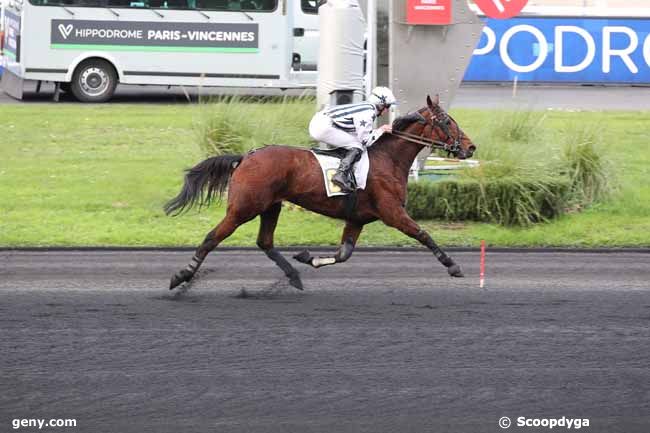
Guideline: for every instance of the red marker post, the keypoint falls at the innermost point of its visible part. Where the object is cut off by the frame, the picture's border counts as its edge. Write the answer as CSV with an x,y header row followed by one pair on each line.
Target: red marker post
x,y
501,9
481,282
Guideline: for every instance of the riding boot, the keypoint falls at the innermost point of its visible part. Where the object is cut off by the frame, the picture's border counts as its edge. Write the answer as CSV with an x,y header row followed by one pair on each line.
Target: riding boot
x,y
344,177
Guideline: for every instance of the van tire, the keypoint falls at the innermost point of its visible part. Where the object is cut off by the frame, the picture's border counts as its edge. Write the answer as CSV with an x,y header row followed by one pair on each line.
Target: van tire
x,y
94,80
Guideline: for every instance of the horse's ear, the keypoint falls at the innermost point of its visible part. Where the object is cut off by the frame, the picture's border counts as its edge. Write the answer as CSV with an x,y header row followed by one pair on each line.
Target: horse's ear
x,y
432,104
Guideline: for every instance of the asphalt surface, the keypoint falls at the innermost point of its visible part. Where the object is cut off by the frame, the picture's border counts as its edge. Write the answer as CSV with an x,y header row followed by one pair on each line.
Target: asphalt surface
x,y
384,343
539,97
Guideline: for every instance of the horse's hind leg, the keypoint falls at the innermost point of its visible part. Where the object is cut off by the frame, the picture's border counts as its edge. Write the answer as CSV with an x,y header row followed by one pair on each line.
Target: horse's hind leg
x,y
224,229
348,241
268,222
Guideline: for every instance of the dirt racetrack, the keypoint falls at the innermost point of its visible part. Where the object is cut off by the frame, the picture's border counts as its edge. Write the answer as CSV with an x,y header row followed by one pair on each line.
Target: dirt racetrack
x,y
384,343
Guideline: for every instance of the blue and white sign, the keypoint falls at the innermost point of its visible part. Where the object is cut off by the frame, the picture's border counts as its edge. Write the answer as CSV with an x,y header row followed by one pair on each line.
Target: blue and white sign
x,y
569,50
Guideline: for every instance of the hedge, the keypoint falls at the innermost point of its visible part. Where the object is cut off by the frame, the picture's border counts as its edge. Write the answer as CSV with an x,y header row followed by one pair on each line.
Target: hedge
x,y
507,200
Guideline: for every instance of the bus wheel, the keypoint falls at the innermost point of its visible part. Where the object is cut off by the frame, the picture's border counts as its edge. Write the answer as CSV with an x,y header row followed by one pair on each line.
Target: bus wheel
x,y
94,81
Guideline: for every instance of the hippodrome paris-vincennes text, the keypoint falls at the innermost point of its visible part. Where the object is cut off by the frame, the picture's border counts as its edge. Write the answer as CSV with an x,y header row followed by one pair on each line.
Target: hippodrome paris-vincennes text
x,y
167,35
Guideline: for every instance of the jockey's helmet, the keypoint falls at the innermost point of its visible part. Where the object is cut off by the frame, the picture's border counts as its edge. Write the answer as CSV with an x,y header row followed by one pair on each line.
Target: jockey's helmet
x,y
382,97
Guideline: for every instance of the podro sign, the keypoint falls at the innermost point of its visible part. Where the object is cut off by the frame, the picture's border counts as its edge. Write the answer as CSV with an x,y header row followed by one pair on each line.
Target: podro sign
x,y
580,50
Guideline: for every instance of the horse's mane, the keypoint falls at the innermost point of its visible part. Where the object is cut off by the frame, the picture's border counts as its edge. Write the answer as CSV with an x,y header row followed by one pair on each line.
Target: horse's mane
x,y
400,124
403,122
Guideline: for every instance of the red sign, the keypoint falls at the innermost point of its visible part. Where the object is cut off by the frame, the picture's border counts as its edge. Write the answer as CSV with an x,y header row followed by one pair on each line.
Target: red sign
x,y
428,12
501,9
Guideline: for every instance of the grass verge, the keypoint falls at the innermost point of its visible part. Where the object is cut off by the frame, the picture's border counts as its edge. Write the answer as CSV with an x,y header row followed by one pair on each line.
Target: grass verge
x,y
73,175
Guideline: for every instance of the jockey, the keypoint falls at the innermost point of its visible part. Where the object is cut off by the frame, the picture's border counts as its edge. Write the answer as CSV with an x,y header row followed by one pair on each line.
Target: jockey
x,y
351,127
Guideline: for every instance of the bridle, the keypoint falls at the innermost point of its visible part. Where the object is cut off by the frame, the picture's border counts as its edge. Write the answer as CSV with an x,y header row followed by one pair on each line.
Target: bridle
x,y
452,147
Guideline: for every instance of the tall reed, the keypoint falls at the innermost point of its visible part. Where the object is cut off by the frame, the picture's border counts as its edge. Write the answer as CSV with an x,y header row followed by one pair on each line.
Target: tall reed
x,y
235,125
587,168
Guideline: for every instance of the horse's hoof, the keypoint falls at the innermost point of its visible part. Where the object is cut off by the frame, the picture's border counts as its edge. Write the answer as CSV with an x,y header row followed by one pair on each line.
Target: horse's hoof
x,y
303,257
455,271
179,278
294,280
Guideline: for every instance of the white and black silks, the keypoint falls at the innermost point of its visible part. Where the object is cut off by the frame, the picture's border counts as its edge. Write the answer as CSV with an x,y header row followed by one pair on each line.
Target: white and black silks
x,y
347,126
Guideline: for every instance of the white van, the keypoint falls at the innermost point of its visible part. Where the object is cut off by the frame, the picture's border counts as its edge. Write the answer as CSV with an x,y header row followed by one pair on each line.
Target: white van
x,y
306,35
89,46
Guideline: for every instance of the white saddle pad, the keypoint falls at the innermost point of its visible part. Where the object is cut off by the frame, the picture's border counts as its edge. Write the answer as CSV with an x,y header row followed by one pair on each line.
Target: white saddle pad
x,y
329,164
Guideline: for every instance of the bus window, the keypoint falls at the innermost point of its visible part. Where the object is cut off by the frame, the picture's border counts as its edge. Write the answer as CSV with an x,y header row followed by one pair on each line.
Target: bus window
x,y
117,3
238,5
309,6
93,3
177,4
170,4
76,3
215,5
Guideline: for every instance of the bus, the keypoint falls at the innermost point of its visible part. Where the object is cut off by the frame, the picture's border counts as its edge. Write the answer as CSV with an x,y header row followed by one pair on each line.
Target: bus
x,y
87,47
306,35
2,34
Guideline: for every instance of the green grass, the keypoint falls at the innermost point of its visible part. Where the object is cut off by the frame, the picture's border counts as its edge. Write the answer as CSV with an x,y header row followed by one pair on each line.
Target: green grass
x,y
77,175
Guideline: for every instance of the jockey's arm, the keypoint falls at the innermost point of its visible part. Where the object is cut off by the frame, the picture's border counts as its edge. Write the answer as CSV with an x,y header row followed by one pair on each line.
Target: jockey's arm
x,y
375,134
364,123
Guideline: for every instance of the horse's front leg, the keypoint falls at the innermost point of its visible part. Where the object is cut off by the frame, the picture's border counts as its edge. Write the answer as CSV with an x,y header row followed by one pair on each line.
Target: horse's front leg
x,y
348,241
396,216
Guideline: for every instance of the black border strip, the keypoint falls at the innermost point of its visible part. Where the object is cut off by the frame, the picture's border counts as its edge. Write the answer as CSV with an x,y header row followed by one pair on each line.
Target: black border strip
x,y
47,70
230,11
197,75
554,250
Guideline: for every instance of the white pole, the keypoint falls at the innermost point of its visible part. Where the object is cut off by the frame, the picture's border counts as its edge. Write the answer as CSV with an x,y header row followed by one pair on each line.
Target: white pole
x,y
371,47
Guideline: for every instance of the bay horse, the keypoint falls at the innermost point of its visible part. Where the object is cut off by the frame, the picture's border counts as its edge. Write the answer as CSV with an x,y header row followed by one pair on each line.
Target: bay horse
x,y
260,181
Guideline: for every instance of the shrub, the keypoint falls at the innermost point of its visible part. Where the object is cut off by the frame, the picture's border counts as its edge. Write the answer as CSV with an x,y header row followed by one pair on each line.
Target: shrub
x,y
518,126
235,125
507,200
221,128
526,175
585,166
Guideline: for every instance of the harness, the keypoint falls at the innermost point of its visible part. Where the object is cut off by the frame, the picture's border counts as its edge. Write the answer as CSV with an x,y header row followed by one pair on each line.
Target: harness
x,y
443,124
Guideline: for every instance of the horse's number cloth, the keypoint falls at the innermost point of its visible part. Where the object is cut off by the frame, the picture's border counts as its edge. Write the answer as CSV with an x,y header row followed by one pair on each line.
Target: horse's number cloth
x,y
329,164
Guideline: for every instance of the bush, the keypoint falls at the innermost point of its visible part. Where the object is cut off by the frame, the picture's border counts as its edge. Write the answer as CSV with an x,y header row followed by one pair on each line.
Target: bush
x,y
507,200
586,168
235,125
518,126
219,134
527,175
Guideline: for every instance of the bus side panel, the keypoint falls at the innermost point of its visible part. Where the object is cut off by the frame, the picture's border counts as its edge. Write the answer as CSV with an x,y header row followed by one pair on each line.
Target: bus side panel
x,y
53,54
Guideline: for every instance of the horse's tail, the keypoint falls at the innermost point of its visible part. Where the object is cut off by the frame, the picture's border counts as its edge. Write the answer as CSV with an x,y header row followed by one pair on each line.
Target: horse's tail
x,y
203,182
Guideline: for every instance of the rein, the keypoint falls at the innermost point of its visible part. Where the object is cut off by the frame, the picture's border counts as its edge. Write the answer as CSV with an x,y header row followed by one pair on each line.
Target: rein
x,y
418,139
450,148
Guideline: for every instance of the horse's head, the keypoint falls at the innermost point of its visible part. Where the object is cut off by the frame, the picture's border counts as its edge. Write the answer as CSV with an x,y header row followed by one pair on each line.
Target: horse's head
x,y
443,128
